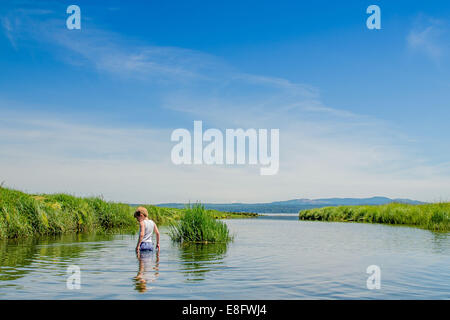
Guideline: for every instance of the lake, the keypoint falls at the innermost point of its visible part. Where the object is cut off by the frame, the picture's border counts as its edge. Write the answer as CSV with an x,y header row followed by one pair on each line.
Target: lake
x,y
271,257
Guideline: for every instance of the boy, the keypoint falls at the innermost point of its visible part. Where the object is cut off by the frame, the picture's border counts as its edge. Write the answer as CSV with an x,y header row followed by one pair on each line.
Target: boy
x,y
146,229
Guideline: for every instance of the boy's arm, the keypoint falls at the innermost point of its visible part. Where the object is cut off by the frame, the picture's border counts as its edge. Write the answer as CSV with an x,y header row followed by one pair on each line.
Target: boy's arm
x,y
157,237
141,234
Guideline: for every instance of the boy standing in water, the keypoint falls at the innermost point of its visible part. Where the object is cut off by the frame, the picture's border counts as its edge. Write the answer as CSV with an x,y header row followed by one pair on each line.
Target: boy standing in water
x,y
146,229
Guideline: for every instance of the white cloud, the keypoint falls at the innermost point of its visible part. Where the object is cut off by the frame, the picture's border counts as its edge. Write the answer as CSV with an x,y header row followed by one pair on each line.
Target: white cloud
x,y
324,151
122,164
8,30
36,137
429,37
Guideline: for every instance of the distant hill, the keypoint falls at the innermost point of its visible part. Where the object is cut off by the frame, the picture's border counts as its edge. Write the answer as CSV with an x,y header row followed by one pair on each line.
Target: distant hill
x,y
293,206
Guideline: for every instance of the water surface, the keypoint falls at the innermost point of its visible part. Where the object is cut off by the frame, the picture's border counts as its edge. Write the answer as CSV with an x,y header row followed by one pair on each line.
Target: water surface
x,y
272,257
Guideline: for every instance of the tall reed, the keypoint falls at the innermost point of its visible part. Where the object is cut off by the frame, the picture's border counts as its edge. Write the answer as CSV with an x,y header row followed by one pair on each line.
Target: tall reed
x,y
197,225
24,215
433,216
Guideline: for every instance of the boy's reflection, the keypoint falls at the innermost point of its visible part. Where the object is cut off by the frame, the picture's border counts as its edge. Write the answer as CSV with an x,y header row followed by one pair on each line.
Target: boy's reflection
x,y
147,263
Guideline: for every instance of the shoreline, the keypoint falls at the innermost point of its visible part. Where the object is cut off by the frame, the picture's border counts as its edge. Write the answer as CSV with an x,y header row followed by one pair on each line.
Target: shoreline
x,y
28,215
433,217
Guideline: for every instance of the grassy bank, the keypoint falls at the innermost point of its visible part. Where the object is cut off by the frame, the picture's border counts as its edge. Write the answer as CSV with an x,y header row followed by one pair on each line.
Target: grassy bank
x,y
23,214
198,226
427,216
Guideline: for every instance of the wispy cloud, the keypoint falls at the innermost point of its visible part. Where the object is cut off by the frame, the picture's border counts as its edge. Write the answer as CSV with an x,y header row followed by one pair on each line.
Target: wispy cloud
x,y
13,25
107,51
430,37
53,155
191,75
325,151
8,30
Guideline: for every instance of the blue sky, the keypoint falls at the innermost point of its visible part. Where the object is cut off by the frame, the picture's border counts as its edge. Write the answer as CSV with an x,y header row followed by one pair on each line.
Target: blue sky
x,y
361,112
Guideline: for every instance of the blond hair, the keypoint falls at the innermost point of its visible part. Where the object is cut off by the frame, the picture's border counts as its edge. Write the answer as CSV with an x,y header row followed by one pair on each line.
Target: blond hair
x,y
139,211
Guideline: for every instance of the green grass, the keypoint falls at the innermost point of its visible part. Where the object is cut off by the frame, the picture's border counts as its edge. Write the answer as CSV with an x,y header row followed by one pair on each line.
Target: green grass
x,y
24,215
197,226
433,217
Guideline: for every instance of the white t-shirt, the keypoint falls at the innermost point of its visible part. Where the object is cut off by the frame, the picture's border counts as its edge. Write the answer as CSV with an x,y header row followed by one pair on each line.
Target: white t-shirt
x,y
148,232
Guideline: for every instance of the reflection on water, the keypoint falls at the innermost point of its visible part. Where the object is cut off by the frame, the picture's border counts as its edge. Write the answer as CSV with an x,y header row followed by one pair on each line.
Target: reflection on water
x,y
199,258
195,260
18,257
272,257
148,270
441,242
14,256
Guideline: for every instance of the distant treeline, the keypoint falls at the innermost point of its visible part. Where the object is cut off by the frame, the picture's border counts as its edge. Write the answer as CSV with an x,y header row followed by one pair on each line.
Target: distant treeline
x,y
293,206
250,208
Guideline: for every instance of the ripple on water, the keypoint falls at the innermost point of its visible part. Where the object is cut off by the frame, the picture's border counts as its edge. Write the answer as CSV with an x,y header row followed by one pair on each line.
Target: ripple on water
x,y
269,259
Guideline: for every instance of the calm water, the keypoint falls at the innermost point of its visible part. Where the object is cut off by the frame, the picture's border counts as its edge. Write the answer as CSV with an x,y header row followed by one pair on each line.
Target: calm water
x,y
272,257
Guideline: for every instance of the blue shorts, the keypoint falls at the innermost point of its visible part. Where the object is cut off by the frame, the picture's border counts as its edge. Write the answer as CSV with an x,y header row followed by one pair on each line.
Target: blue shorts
x,y
146,246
